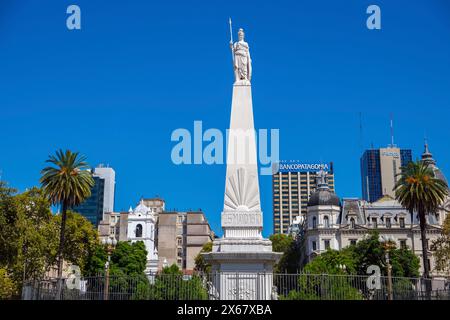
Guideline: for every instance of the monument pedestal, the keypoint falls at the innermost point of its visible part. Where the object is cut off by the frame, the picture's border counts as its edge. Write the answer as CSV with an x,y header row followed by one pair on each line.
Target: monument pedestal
x,y
242,275
242,260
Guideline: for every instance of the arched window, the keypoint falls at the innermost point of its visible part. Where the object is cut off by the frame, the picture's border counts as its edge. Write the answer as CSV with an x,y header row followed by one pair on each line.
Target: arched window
x,y
352,223
314,222
139,231
326,222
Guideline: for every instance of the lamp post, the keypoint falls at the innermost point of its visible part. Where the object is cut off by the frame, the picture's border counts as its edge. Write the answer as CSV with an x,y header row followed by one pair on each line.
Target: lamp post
x,y
110,244
165,263
388,244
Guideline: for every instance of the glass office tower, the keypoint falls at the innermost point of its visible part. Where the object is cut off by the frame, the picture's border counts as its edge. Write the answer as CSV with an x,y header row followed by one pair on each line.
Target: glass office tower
x,y
380,169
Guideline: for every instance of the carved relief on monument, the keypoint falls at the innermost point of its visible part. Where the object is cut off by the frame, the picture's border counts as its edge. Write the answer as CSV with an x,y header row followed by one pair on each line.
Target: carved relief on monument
x,y
241,192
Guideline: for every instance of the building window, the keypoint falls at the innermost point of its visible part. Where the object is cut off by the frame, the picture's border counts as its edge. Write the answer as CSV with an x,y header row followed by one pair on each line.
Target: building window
x,y
314,246
327,244
402,244
180,252
138,231
402,222
352,223
388,223
180,241
326,222
374,222
352,242
314,222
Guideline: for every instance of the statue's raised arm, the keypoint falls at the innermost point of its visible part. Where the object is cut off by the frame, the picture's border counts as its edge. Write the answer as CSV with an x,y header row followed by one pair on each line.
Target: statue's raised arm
x,y
241,60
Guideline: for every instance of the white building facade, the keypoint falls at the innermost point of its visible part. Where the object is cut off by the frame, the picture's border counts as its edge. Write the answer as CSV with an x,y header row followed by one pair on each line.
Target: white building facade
x,y
142,227
332,225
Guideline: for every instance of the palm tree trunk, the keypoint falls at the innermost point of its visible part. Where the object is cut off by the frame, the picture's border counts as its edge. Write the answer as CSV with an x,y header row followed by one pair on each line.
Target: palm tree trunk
x,y
61,240
61,248
423,235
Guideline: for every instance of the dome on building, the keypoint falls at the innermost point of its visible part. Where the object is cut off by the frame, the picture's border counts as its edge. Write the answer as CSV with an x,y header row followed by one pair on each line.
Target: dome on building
x,y
323,195
427,158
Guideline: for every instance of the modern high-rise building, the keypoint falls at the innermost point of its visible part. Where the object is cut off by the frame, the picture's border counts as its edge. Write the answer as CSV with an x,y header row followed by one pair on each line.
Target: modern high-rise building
x,y
379,169
102,195
292,184
109,176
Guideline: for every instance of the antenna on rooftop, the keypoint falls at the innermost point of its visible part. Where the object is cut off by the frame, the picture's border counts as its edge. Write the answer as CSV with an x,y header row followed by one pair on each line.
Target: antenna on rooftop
x,y
392,132
360,132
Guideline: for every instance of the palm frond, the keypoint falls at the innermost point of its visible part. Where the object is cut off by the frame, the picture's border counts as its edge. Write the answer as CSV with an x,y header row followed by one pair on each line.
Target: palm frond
x,y
68,179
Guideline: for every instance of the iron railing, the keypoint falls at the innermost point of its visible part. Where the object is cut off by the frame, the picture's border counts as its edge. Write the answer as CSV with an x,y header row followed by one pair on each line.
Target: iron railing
x,y
238,286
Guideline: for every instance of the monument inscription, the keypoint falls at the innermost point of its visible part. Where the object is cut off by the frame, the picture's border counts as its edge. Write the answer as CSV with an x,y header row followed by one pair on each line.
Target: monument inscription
x,y
241,219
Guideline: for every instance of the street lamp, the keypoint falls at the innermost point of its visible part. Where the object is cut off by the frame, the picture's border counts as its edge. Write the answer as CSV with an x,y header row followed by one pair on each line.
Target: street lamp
x,y
343,267
165,263
110,244
388,243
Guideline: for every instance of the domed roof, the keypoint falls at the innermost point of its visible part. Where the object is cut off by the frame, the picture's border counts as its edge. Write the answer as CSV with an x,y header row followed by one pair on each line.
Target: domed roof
x,y
427,158
323,195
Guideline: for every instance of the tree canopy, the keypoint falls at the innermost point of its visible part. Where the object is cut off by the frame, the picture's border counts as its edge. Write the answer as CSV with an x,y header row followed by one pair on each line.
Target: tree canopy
x,y
290,261
441,248
29,235
200,263
421,192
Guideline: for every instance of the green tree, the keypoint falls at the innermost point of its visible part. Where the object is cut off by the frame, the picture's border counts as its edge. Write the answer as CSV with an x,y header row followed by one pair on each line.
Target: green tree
x,y
281,242
441,248
29,235
7,285
327,277
200,263
66,182
334,274
95,264
370,251
171,285
26,238
418,190
332,262
127,276
290,260
130,258
81,238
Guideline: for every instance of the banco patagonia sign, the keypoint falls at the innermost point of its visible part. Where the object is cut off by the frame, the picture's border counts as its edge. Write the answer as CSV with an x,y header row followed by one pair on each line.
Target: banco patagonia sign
x,y
303,167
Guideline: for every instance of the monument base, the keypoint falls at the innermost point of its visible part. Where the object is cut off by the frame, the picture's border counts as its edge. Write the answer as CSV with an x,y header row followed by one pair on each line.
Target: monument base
x,y
242,269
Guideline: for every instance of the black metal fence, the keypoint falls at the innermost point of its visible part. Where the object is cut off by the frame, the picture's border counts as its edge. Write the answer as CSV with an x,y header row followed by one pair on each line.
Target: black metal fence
x,y
238,286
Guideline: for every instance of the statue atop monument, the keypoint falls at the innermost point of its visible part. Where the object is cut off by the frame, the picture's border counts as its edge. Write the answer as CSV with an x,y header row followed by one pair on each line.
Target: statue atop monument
x,y
242,63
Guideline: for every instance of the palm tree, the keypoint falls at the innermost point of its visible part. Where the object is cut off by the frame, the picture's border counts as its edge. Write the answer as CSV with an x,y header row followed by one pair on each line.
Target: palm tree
x,y
418,190
67,183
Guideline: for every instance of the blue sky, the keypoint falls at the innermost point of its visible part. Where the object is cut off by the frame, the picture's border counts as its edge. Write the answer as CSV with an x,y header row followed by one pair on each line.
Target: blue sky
x,y
137,70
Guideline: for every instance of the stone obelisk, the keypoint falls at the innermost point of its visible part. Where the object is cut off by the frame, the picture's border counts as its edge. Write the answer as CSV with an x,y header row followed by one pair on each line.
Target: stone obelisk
x,y
242,260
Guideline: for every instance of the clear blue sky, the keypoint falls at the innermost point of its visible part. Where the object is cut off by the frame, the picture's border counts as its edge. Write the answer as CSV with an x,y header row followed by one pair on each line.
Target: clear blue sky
x,y
140,69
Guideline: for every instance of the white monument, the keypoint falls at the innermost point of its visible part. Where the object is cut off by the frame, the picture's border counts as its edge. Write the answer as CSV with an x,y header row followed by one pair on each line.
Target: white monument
x,y
141,227
242,260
